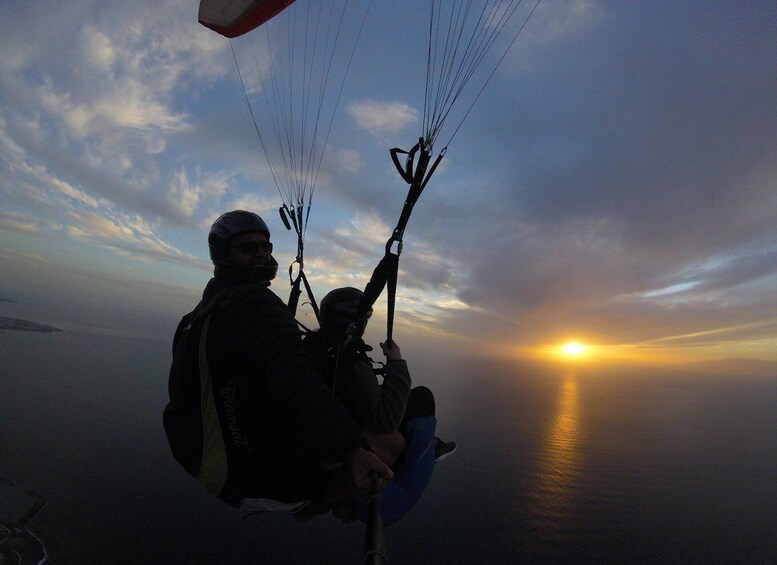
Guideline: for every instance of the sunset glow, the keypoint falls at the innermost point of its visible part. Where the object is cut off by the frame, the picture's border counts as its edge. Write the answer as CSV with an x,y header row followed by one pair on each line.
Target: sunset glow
x,y
567,351
589,257
573,349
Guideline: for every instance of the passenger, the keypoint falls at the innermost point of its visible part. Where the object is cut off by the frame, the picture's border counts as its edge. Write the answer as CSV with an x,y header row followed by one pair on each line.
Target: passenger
x,y
247,415
347,369
382,409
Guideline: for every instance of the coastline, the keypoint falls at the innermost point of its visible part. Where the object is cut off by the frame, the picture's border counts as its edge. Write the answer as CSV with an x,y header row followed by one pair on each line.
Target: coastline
x,y
18,324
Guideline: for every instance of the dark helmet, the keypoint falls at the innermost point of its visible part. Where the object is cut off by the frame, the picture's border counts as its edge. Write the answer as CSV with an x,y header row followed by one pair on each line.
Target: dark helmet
x,y
230,225
338,308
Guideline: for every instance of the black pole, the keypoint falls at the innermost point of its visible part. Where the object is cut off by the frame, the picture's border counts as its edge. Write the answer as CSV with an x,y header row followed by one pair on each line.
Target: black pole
x,y
375,552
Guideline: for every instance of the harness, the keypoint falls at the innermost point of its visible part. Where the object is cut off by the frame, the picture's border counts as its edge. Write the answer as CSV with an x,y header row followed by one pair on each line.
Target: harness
x,y
296,216
328,360
190,343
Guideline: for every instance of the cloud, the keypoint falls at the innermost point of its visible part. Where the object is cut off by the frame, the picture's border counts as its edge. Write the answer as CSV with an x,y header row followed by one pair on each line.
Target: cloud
x,y
188,195
348,160
362,234
19,223
556,20
113,109
382,118
97,48
129,234
351,250
254,203
616,178
64,209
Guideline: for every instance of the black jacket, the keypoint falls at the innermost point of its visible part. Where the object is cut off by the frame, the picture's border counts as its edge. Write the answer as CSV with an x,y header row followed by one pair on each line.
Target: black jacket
x,y
348,370
250,418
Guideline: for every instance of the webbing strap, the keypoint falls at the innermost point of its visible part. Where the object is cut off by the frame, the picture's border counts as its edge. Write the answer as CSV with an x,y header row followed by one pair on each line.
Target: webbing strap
x,y
296,291
391,293
295,215
387,270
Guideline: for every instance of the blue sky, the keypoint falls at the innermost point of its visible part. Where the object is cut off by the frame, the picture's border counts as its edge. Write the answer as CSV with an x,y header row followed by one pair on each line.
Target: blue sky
x,y
616,183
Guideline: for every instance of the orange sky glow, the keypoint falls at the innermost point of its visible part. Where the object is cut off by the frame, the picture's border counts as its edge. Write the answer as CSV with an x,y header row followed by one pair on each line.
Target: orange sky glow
x,y
580,351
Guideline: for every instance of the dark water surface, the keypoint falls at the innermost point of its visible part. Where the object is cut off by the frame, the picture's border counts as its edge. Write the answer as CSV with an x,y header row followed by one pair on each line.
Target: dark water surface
x,y
555,465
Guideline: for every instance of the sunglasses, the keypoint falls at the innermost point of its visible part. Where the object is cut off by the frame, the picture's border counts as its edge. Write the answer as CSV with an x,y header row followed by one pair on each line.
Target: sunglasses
x,y
253,247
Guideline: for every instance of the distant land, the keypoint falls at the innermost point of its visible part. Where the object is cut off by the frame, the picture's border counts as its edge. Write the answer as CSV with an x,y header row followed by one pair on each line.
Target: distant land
x,y
19,325
24,325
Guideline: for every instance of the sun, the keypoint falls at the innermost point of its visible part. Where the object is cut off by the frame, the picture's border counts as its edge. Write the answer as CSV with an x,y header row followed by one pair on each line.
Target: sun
x,y
569,351
573,349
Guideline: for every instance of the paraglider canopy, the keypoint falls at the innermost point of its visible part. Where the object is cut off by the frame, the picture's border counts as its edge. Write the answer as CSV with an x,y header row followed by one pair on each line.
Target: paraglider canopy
x,y
292,65
232,18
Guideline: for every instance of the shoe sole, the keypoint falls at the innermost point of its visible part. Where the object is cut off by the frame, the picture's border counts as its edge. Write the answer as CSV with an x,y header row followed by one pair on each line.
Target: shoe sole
x,y
445,455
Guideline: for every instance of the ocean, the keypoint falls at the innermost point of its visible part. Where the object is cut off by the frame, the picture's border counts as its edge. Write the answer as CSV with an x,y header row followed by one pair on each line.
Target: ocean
x,y
556,464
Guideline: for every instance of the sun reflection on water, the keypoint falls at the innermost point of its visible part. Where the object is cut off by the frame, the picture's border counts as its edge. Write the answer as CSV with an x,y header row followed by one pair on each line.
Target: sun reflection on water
x,y
551,493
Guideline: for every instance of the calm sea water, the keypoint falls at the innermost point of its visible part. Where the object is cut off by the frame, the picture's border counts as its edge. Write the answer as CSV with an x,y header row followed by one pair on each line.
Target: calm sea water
x,y
555,465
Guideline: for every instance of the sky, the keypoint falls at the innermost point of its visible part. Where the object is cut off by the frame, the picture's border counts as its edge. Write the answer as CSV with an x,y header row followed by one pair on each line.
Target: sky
x,y
615,184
